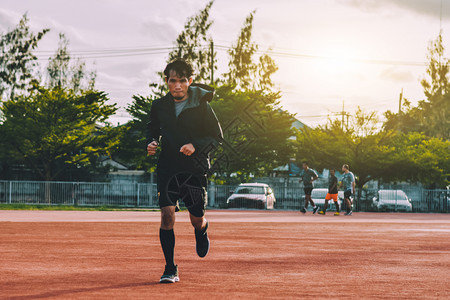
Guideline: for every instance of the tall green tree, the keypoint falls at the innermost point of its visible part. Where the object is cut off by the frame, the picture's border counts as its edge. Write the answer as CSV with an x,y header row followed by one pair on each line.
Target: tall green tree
x,y
433,112
430,115
244,71
17,61
376,154
53,129
256,133
192,45
419,158
361,145
63,72
256,129
436,81
131,149
241,66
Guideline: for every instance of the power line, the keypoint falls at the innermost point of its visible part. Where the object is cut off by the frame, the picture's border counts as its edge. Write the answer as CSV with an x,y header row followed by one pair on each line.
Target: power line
x,y
130,52
310,56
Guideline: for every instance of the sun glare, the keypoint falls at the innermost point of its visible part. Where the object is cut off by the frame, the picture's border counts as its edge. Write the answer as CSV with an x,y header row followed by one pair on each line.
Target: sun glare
x,y
337,59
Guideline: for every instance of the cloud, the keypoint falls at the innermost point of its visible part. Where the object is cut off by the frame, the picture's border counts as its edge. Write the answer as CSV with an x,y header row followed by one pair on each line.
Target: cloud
x,y
72,33
159,29
163,27
394,74
431,8
8,20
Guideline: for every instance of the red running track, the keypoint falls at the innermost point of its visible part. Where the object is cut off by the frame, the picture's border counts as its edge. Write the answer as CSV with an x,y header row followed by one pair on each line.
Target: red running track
x,y
254,255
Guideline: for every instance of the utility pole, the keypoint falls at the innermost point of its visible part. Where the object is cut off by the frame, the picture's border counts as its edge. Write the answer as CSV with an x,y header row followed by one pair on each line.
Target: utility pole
x,y
343,114
399,110
212,62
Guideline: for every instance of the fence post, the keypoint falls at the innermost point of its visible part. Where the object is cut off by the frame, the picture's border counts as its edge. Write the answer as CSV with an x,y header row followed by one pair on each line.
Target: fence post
x,y
137,195
396,197
73,193
10,190
212,194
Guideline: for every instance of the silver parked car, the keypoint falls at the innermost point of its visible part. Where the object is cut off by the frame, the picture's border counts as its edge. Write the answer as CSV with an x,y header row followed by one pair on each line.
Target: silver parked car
x,y
252,195
318,196
392,200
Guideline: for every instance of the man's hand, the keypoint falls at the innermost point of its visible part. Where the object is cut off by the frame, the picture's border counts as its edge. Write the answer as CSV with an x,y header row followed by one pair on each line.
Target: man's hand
x,y
151,148
187,149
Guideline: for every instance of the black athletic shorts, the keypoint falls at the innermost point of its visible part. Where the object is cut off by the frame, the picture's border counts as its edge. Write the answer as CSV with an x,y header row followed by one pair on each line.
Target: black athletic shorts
x,y
308,191
347,194
187,187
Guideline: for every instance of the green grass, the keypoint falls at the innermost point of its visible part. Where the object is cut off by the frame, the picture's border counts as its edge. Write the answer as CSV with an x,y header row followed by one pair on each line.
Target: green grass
x,y
71,207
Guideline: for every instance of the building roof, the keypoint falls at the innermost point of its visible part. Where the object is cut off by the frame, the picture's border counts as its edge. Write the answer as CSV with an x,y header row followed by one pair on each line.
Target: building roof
x,y
297,124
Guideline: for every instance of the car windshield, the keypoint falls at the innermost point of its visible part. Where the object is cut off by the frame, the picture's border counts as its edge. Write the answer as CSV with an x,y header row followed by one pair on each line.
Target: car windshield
x,y
250,190
393,195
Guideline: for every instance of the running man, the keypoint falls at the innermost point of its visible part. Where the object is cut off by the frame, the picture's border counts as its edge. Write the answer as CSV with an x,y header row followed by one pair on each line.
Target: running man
x,y
332,193
348,182
188,129
309,175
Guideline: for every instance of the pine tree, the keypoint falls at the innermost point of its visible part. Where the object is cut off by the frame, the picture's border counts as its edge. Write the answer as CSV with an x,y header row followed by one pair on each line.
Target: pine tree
x,y
64,73
17,60
192,45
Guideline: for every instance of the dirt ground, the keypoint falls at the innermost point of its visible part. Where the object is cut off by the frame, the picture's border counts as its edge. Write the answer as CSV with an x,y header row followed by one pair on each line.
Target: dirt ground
x,y
254,255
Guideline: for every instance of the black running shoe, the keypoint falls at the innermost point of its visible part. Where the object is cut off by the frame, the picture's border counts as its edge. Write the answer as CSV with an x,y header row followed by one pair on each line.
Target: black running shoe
x,y
315,208
202,241
170,275
303,210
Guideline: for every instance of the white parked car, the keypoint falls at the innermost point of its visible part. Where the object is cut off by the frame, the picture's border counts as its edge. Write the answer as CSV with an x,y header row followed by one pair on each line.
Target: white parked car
x,y
252,195
318,196
392,200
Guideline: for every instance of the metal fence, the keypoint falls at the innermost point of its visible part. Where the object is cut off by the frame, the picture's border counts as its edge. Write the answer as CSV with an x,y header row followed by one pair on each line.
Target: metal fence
x,y
412,199
78,193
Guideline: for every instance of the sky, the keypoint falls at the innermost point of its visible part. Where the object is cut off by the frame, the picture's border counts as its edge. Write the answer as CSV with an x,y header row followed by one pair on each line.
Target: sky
x,y
330,53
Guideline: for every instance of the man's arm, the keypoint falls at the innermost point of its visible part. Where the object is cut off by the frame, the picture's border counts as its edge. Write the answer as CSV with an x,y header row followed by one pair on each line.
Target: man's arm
x,y
314,177
211,136
153,131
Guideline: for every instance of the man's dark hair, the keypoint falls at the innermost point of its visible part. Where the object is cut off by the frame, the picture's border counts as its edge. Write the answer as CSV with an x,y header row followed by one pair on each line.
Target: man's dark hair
x,y
333,169
346,167
305,162
181,67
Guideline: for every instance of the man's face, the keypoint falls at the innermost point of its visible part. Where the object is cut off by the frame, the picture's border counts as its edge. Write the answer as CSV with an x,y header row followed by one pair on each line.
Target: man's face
x,y
304,166
332,172
343,169
178,86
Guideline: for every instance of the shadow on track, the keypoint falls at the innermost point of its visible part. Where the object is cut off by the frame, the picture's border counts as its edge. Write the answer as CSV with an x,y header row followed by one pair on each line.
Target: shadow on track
x,y
82,290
